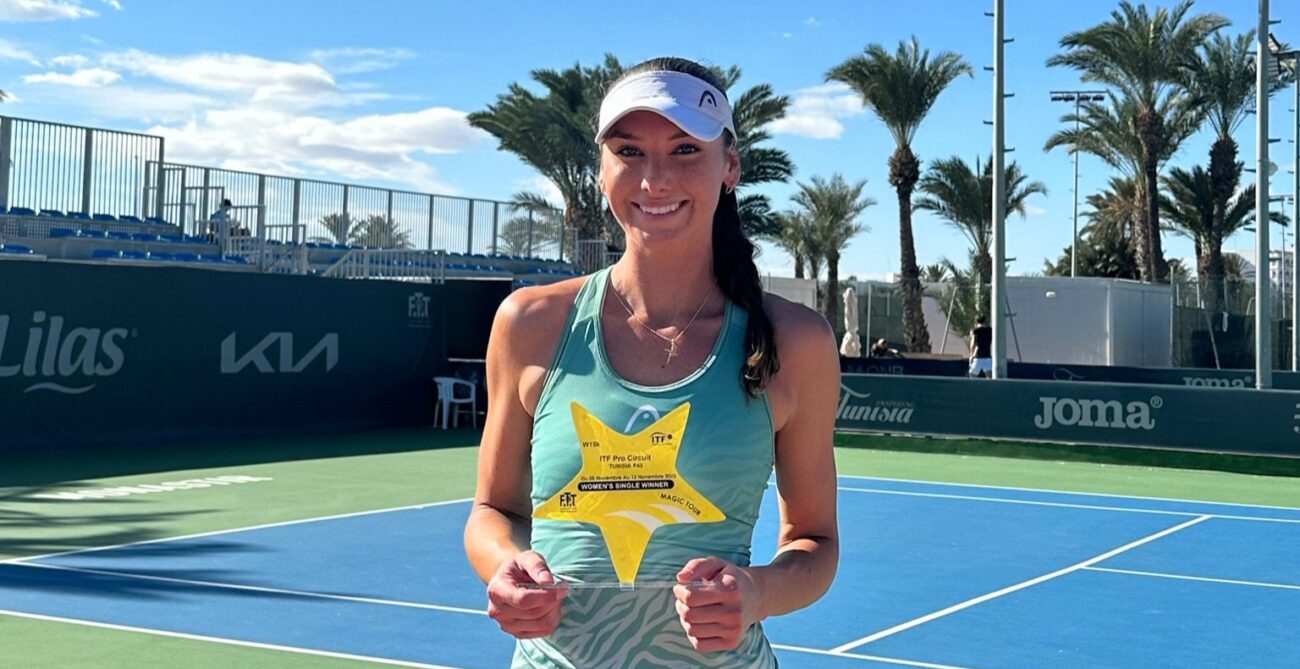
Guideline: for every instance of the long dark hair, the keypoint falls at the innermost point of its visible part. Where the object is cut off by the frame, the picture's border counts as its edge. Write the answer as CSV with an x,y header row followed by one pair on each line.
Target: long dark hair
x,y
733,254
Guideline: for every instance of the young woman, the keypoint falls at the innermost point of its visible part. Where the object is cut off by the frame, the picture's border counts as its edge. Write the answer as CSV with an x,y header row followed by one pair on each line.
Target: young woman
x,y
679,321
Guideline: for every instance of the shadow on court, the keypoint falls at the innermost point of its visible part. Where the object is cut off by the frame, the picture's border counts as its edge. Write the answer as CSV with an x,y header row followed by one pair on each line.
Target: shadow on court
x,y
33,526
59,468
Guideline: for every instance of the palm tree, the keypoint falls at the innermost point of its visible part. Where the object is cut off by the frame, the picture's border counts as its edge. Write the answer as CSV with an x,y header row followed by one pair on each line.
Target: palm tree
x,y
963,197
1102,252
833,206
1145,56
1115,210
798,240
341,227
752,111
1223,80
900,88
379,231
534,224
1191,210
935,272
552,133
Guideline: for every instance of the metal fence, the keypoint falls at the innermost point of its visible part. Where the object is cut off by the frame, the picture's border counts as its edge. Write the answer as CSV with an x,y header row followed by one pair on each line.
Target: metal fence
x,y
70,168
46,165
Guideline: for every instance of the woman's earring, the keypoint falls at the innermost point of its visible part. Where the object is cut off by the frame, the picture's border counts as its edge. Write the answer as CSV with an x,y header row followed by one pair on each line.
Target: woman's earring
x,y
728,188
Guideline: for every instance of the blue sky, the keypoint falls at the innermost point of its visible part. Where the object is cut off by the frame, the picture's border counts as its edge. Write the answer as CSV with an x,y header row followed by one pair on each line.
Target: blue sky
x,y
377,92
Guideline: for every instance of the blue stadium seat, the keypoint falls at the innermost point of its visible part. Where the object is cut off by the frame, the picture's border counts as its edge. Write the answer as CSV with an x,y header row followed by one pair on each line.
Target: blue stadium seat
x,y
54,213
185,257
144,237
237,260
21,211
159,255
103,254
78,216
193,239
96,234
107,218
210,259
16,248
156,221
172,239
56,233
128,218
135,255
114,234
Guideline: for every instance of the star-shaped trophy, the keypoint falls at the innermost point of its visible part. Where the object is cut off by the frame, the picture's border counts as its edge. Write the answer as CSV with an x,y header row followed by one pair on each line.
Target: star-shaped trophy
x,y
629,486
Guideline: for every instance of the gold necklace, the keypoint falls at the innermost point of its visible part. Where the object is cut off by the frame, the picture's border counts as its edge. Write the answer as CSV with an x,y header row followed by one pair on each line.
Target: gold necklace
x,y
672,341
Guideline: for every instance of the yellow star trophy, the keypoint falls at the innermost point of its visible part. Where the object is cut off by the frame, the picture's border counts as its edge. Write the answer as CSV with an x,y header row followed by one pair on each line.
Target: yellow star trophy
x,y
629,486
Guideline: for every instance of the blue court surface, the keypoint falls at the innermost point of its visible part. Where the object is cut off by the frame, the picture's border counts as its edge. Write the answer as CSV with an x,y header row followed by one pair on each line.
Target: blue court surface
x,y
931,575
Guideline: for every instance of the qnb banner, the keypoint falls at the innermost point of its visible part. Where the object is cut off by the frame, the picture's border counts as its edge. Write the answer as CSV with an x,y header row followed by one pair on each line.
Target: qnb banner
x,y
1199,419
96,354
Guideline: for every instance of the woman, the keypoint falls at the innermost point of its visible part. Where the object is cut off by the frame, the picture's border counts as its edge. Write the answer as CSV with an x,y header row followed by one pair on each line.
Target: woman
x,y
678,329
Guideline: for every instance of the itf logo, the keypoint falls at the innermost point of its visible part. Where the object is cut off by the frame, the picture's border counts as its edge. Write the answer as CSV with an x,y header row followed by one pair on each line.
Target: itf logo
x,y
417,306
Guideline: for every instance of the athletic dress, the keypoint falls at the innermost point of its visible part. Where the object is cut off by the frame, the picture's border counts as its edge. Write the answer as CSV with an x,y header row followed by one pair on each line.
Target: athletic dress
x,y
725,454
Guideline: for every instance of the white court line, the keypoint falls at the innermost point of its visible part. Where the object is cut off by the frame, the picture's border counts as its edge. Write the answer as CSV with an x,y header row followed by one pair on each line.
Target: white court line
x,y
1206,579
221,640
255,588
1013,588
1066,505
1073,492
859,656
235,529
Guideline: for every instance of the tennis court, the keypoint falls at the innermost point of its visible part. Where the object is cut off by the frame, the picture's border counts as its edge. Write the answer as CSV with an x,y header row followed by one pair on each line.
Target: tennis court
x,y
347,551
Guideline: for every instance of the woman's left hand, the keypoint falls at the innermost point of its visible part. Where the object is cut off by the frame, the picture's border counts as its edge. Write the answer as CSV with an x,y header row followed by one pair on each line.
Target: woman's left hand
x,y
716,603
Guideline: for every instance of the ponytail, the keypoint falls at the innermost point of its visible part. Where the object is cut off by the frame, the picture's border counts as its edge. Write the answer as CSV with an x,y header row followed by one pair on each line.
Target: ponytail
x,y
737,276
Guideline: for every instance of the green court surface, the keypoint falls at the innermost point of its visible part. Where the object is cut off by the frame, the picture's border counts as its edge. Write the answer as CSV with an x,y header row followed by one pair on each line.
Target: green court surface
x,y
312,477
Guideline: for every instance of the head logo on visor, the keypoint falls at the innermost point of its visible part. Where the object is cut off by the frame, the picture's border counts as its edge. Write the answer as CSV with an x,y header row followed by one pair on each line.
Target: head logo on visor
x,y
692,104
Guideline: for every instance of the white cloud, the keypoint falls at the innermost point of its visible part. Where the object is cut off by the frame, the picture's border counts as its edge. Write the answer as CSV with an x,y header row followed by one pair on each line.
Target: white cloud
x,y
816,112
243,112
378,147
1031,210
93,77
43,10
353,60
69,60
787,35
114,4
11,51
232,74
812,21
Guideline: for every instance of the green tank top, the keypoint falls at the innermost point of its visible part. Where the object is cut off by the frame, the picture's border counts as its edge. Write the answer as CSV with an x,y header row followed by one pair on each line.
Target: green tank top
x,y
725,453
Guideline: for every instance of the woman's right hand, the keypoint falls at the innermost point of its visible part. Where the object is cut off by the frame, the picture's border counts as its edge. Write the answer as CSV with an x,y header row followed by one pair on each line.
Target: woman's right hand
x,y
519,607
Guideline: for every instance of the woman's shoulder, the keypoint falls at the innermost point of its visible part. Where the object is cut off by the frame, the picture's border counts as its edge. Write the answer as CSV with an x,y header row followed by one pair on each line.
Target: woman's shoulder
x,y
796,324
534,316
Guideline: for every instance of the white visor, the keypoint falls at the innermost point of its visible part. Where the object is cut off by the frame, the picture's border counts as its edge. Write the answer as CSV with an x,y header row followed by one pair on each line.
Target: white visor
x,y
692,104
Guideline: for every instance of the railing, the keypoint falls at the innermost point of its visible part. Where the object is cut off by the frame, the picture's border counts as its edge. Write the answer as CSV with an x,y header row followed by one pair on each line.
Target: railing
x,y
47,165
71,168
391,264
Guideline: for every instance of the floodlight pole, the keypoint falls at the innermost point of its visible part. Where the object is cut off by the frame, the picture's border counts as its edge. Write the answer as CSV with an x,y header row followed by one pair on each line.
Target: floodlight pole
x,y
998,298
1263,320
1295,219
1077,97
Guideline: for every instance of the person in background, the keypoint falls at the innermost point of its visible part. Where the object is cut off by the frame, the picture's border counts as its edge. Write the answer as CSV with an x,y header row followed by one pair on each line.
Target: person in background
x,y
219,221
981,349
881,349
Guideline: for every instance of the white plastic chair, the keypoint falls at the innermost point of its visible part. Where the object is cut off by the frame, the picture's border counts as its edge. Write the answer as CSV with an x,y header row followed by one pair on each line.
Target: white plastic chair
x,y
448,402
